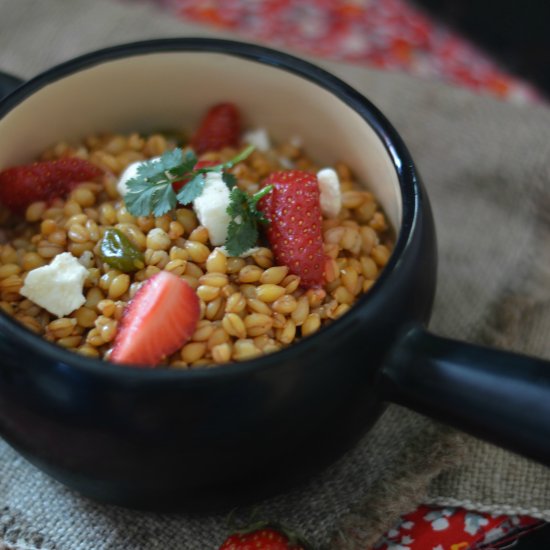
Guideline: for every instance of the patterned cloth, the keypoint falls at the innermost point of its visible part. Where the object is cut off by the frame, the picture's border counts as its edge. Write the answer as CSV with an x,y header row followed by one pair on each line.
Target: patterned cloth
x,y
386,34
429,528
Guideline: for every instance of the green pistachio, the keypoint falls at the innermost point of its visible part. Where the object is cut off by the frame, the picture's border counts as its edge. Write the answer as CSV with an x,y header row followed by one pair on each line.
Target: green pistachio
x,y
119,252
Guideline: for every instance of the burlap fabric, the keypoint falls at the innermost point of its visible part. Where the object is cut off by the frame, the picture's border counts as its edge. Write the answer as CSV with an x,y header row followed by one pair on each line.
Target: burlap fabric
x,y
487,169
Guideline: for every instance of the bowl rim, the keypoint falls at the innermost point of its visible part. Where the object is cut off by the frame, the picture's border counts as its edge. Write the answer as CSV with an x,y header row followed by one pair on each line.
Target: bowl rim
x,y
409,185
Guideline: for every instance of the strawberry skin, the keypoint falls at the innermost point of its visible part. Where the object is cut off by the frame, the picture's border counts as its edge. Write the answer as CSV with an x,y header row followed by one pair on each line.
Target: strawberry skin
x,y
264,539
20,186
220,127
295,228
160,318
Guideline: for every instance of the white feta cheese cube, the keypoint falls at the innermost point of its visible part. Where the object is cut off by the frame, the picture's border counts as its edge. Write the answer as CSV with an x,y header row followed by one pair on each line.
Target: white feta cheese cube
x,y
259,138
58,286
211,207
129,173
331,196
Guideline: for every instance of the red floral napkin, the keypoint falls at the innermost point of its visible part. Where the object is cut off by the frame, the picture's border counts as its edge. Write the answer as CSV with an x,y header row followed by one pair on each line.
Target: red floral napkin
x,y
429,528
387,34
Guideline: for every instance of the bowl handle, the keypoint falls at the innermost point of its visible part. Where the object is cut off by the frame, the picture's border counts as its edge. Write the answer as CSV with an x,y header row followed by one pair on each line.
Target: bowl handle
x,y
8,83
499,396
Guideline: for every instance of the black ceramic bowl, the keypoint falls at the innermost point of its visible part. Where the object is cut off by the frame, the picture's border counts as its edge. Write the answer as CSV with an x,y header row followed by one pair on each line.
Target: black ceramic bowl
x,y
205,439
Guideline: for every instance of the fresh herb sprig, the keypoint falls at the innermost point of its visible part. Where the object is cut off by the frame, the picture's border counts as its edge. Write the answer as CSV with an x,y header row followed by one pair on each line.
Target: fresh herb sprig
x,y
242,232
152,192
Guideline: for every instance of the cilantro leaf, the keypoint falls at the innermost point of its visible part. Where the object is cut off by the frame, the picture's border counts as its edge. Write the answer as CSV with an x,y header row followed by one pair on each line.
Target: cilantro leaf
x,y
149,169
240,237
139,197
171,159
189,161
237,203
191,190
163,199
242,232
229,179
151,191
186,167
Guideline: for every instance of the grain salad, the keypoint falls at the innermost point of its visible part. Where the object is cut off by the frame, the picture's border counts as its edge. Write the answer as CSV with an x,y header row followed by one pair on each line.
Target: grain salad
x,y
248,304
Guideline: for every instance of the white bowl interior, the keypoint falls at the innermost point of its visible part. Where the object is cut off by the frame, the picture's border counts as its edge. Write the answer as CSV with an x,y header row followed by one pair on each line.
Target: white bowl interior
x,y
173,89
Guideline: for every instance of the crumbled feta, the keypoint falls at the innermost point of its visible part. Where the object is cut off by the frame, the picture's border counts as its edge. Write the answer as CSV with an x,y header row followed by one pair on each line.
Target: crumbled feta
x,y
211,207
57,287
245,254
296,141
331,197
128,174
259,138
286,162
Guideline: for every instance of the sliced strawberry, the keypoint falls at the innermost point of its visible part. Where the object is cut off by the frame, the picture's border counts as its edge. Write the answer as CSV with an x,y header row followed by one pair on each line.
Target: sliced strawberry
x,y
264,538
177,185
295,230
220,127
43,181
160,318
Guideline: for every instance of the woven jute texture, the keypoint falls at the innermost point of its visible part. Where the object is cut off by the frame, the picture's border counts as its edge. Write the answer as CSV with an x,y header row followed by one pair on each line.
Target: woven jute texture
x,y
486,166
